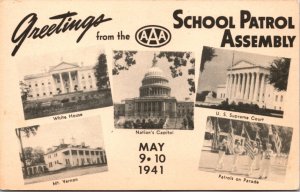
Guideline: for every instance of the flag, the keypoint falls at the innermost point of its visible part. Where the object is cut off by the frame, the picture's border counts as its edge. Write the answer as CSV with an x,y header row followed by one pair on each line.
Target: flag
x,y
243,130
277,142
209,126
230,138
257,138
215,142
248,146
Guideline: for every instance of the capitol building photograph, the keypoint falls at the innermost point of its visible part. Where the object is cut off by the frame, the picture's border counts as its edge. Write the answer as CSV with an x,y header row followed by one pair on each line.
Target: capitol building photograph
x,y
244,82
146,96
66,86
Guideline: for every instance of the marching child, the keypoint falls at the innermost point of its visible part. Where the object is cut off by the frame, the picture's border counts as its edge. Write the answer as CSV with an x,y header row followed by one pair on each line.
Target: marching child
x,y
222,151
266,162
237,150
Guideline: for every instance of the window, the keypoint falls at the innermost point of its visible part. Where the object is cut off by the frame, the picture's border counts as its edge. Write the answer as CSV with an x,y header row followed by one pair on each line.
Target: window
x,y
82,77
87,153
92,153
37,95
281,98
80,152
67,161
49,83
58,80
91,86
276,98
50,164
97,152
42,83
89,76
74,152
36,84
84,87
44,94
50,93
29,85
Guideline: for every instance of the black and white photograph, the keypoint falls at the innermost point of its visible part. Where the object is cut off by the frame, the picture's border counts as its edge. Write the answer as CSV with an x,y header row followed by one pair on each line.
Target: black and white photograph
x,y
64,83
242,82
61,150
246,149
153,90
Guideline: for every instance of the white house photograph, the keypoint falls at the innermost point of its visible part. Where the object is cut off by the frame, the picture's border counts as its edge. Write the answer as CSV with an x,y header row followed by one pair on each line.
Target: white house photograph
x,y
243,82
73,81
61,150
153,90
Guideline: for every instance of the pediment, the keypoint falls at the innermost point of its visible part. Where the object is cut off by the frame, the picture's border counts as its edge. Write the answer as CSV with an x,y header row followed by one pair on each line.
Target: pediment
x,y
63,66
242,64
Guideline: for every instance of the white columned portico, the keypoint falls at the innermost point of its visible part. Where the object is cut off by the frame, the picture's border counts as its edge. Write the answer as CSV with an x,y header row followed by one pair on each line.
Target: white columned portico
x,y
256,87
238,88
251,87
61,83
262,87
243,86
71,83
246,96
227,85
230,86
234,86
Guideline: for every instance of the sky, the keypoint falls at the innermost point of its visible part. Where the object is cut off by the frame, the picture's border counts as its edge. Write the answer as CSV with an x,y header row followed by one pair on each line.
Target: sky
x,y
127,83
215,71
86,130
33,64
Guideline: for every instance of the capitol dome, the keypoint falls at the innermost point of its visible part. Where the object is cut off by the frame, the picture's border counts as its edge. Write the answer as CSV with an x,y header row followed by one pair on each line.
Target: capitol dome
x,y
155,83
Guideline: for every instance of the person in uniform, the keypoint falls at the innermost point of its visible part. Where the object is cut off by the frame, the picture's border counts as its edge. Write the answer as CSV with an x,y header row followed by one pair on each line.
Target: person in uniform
x,y
237,151
222,151
259,156
251,161
266,162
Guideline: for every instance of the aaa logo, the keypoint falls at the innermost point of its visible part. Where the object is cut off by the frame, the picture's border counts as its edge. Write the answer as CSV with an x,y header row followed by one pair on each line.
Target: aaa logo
x,y
153,36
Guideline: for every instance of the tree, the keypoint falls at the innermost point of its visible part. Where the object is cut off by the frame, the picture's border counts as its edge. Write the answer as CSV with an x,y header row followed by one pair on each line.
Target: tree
x,y
25,91
101,72
33,156
208,53
129,61
179,60
27,131
279,73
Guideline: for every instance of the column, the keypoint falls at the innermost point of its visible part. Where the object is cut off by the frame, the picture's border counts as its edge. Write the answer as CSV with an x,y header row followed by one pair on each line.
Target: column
x,y
227,86
243,86
61,84
246,95
256,87
151,108
251,87
262,85
163,107
238,88
230,86
71,82
234,86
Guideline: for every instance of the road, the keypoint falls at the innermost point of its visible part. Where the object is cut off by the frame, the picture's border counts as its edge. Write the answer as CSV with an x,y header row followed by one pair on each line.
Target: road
x,y
208,162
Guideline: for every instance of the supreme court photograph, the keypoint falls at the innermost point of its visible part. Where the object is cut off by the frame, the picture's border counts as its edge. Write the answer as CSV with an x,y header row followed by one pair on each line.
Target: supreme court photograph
x,y
65,82
61,150
153,90
243,82
255,151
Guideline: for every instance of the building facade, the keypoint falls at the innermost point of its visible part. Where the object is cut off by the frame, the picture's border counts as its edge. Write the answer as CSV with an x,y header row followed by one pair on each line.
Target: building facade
x,y
62,79
248,83
154,99
72,155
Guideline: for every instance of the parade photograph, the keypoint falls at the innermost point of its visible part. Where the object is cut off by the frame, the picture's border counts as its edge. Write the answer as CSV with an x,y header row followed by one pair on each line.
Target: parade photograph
x,y
242,82
64,82
248,149
61,150
153,90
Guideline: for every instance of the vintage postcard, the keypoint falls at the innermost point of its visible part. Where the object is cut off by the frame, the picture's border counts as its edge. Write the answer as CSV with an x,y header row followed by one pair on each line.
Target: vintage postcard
x,y
149,95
